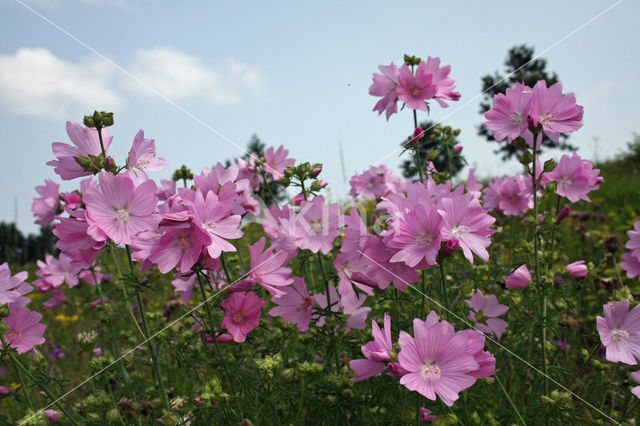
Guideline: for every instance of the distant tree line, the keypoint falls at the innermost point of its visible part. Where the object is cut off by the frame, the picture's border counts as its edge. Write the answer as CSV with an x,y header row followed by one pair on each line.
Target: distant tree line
x,y
16,249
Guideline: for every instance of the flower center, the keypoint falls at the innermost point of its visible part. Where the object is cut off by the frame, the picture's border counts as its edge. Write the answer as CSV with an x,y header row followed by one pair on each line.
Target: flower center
x,y
316,227
516,118
565,181
546,118
184,242
122,215
13,335
423,239
416,91
237,317
142,163
430,372
460,230
619,335
210,226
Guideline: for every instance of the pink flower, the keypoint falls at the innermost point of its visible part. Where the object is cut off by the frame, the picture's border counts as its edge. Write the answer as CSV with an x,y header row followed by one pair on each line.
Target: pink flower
x,y
377,352
317,225
54,415
179,246
508,117
575,177
485,312
352,306
520,278
57,298
415,89
215,217
620,332
437,361
373,183
636,390
577,269
464,219
556,112
58,271
384,85
426,416
276,162
119,209
74,241
444,84
142,156
242,314
86,142
416,235
72,200
267,268
294,305
25,330
9,284
631,259
44,208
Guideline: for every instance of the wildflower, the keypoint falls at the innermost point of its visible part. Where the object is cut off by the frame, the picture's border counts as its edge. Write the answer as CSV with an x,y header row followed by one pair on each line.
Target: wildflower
x,y
215,217
294,304
620,332
317,225
267,268
352,306
631,259
575,178
242,314
373,183
276,162
577,269
8,284
86,143
376,352
119,209
25,330
485,313
415,89
507,119
436,360
385,85
519,278
57,298
636,390
142,156
44,208
179,247
556,112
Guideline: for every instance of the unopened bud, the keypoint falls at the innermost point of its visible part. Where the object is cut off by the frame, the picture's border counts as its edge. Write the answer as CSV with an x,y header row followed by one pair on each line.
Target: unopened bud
x,y
457,149
526,158
549,165
418,135
451,246
564,213
110,164
316,170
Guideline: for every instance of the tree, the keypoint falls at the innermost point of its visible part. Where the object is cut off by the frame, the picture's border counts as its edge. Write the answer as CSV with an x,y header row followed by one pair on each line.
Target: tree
x,y
432,144
17,249
520,67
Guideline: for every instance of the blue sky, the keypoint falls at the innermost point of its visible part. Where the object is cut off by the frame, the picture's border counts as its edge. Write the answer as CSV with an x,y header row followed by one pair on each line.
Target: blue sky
x,y
294,73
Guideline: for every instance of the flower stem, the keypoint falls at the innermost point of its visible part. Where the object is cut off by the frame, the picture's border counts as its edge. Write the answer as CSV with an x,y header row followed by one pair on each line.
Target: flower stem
x,y
104,153
543,292
326,287
24,388
145,329
443,287
417,148
506,394
575,376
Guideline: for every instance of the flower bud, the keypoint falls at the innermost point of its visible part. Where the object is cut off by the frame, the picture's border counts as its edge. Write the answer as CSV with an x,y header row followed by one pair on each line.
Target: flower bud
x,y
549,165
316,170
110,164
451,246
577,269
564,213
418,135
457,148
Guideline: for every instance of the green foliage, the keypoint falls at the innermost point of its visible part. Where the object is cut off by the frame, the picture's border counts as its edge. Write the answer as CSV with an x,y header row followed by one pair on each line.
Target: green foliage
x,y
433,148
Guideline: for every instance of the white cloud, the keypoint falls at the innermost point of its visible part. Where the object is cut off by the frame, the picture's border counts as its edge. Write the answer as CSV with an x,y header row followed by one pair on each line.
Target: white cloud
x,y
178,75
34,81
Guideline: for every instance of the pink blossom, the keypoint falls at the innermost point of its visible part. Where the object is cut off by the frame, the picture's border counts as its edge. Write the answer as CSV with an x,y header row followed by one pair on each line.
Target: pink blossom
x,y
25,330
57,298
464,219
577,269
74,241
53,415
636,377
179,247
437,361
59,271
166,189
485,313
520,278
426,416
444,84
142,157
294,305
317,225
119,209
184,286
472,186
575,177
415,89
44,208
556,112
242,314
508,117
86,142
72,200
620,332
323,303
385,85
267,268
9,284
276,162
215,217
631,259
373,183
352,306
376,352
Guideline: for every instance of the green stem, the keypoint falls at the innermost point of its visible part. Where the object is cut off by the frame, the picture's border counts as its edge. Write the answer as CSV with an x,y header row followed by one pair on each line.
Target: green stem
x,y
145,329
24,369
417,148
506,394
581,369
629,410
329,311
543,294
226,271
104,153
24,389
443,287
